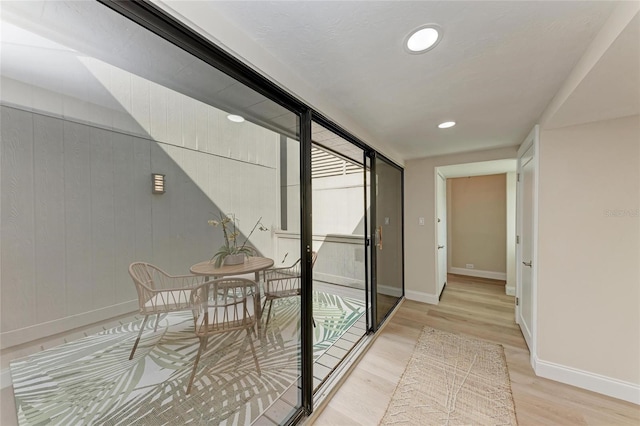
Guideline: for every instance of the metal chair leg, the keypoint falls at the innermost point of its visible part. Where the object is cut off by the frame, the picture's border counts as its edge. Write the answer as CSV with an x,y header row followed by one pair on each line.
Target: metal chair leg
x,y
135,345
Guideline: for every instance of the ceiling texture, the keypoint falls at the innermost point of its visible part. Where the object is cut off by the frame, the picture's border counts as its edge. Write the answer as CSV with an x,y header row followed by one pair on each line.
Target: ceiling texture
x,y
496,69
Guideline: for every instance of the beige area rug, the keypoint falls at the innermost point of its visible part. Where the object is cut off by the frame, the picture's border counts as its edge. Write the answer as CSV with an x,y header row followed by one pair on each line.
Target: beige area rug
x,y
453,379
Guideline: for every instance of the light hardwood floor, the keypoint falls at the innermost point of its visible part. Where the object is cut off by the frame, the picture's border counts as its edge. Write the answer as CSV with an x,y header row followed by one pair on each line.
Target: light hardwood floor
x,y
476,307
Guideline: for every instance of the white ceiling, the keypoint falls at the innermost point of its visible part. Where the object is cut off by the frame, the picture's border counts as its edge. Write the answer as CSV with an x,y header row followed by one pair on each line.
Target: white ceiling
x,y
494,72
611,89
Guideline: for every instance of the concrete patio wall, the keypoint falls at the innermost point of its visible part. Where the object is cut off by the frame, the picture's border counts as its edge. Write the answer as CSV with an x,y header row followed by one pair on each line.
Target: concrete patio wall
x,y
338,230
340,257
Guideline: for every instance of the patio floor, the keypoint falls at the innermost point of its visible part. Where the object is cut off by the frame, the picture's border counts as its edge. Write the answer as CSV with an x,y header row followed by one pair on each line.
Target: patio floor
x,y
280,408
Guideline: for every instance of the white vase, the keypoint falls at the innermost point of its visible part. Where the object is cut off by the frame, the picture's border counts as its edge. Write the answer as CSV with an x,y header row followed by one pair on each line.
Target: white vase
x,y
234,259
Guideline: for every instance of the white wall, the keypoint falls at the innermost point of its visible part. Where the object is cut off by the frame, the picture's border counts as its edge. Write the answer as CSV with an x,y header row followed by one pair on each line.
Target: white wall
x,y
589,252
420,202
338,205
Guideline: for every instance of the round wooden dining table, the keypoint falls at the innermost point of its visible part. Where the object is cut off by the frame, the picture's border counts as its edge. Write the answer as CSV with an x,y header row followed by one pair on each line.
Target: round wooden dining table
x,y
251,264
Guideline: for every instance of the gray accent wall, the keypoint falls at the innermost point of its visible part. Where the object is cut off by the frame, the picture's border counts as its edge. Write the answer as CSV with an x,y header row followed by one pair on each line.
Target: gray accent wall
x,y
76,201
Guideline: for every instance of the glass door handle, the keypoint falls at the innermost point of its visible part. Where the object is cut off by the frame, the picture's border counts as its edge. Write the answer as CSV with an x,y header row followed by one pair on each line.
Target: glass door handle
x,y
379,237
440,247
527,264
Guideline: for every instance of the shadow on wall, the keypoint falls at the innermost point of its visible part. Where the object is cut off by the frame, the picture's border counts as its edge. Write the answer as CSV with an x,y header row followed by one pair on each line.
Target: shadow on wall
x,y
77,206
77,209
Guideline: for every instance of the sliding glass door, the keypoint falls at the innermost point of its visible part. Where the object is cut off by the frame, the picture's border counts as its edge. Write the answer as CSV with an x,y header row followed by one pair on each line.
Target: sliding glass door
x,y
386,232
339,271
94,109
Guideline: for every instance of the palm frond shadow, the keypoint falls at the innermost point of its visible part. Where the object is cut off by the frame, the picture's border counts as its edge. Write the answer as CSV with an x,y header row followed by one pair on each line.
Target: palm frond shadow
x,y
91,380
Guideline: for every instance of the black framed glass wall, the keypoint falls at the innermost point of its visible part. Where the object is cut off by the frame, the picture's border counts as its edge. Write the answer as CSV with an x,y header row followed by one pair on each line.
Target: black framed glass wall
x,y
339,190
383,223
93,105
121,147
387,235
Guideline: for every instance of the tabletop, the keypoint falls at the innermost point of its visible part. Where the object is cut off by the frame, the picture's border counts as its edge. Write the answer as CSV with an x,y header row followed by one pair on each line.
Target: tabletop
x,y
251,264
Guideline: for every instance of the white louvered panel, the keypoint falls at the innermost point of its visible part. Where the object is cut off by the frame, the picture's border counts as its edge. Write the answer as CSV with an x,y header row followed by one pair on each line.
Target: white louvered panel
x,y
326,164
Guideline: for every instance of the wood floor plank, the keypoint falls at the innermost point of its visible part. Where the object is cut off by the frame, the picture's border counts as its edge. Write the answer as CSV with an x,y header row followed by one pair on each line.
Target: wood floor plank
x,y
479,308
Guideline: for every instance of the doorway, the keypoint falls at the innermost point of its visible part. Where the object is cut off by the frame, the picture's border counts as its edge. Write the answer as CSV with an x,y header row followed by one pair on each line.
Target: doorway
x,y
491,176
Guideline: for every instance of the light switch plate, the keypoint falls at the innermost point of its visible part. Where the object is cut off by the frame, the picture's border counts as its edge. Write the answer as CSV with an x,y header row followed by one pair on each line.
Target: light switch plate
x,y
421,221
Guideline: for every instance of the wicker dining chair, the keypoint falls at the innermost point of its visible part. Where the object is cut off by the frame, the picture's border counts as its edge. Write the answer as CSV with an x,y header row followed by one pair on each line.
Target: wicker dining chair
x,y
160,293
224,305
283,282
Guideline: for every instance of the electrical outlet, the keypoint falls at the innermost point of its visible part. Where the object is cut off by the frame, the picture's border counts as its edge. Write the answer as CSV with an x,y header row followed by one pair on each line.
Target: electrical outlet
x,y
386,220
470,266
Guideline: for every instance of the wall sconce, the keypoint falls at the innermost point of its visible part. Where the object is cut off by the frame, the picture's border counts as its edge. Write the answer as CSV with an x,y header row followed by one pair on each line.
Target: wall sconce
x,y
157,183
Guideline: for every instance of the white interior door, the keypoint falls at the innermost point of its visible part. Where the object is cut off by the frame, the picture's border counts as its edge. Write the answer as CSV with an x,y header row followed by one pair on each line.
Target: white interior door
x,y
441,248
525,264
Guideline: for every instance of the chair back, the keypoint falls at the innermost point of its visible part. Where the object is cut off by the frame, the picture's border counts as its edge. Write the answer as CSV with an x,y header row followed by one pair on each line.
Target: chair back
x,y
144,278
295,268
224,304
160,292
285,282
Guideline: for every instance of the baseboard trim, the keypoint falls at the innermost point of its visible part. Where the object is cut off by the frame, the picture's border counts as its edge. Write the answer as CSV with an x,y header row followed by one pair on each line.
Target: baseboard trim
x,y
336,279
478,273
419,296
5,378
615,388
390,291
47,329
511,291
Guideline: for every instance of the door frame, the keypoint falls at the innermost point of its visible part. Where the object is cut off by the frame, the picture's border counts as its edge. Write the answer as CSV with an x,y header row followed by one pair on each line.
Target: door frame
x,y
478,168
531,141
440,290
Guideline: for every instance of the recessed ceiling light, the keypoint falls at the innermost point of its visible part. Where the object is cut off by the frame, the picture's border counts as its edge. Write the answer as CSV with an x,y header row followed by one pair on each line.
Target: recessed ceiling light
x,y
447,124
423,39
235,118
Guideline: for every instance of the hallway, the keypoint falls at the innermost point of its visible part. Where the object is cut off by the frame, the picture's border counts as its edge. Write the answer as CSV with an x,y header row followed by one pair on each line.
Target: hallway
x,y
479,308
